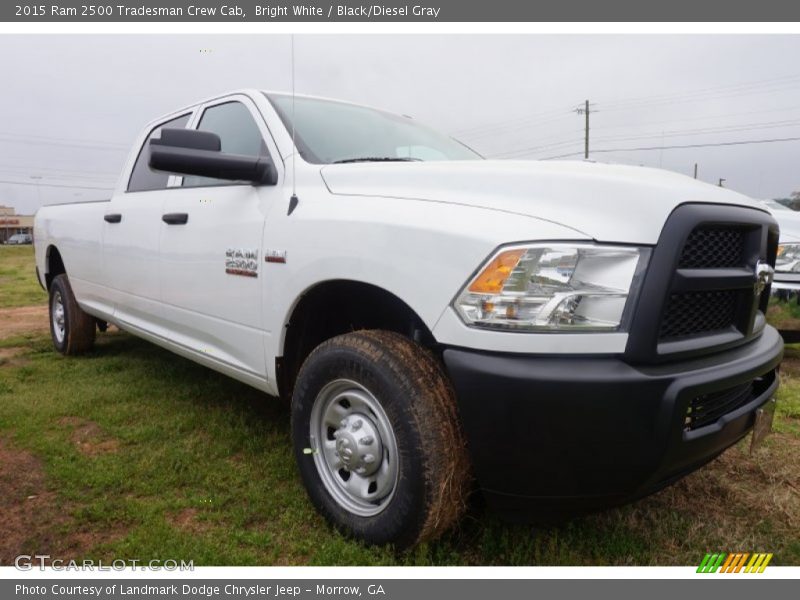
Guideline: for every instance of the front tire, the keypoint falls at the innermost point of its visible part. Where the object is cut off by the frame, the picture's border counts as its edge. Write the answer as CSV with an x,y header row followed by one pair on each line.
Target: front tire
x,y
72,330
377,438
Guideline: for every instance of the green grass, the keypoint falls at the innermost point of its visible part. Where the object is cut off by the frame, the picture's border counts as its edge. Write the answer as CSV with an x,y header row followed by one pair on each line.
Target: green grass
x,y
193,465
18,285
785,315
146,455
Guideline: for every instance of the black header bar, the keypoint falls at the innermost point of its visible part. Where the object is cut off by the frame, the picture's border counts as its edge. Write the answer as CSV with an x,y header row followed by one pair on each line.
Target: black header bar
x,y
205,11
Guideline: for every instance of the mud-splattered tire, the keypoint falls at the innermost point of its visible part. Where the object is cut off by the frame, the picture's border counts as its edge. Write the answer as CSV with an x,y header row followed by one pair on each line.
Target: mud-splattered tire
x,y
388,402
73,331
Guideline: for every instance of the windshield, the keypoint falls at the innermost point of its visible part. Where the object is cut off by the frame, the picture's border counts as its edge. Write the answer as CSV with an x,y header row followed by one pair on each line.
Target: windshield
x,y
776,205
327,132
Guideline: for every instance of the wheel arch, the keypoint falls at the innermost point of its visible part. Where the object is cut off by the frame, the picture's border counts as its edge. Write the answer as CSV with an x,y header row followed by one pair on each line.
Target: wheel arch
x,y
338,306
54,265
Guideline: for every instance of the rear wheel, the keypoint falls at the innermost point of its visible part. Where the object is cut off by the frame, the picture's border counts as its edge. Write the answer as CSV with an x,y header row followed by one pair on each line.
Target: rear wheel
x,y
72,330
377,438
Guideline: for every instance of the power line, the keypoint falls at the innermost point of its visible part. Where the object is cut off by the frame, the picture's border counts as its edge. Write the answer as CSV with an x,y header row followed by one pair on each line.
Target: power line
x,y
585,109
30,167
57,175
538,148
538,116
28,136
682,146
44,142
703,118
57,185
668,133
706,130
727,90
500,129
715,92
647,105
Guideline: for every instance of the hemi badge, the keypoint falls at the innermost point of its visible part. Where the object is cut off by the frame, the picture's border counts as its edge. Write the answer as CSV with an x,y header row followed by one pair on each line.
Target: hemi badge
x,y
275,256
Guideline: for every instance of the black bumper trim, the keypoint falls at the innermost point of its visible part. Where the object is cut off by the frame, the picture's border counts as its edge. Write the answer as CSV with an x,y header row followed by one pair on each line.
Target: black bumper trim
x,y
596,430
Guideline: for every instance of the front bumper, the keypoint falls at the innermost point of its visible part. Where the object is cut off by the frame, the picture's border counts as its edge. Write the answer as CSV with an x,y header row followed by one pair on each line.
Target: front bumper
x,y
595,431
786,281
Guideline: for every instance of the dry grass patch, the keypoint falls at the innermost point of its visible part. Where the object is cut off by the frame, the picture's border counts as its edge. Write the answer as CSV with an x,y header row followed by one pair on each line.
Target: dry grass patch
x,y
186,520
12,357
23,320
737,503
88,437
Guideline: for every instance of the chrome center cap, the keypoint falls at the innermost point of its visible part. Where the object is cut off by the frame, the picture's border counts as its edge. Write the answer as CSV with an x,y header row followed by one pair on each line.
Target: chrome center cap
x,y
358,445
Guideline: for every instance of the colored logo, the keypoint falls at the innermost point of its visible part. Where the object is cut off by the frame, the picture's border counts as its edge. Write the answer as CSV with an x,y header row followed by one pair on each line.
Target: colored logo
x,y
740,562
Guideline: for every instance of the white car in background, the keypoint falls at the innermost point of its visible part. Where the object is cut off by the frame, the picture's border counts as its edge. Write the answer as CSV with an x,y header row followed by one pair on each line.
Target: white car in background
x,y
19,239
787,264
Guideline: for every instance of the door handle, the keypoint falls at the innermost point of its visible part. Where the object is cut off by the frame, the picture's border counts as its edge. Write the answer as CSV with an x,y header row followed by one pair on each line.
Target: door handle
x,y
175,218
113,218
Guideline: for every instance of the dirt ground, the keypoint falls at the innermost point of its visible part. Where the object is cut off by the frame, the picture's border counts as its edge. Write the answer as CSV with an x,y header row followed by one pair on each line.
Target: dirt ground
x,y
33,518
23,320
31,513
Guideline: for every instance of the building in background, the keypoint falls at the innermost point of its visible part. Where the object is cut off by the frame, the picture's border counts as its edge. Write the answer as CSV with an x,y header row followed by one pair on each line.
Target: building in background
x,y
12,223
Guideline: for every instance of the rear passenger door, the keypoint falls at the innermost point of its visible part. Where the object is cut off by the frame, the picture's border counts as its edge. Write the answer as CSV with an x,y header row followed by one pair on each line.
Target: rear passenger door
x,y
211,249
131,231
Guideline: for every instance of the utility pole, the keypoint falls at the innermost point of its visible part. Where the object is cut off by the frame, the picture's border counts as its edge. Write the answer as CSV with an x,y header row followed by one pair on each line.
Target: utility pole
x,y
585,110
721,181
695,170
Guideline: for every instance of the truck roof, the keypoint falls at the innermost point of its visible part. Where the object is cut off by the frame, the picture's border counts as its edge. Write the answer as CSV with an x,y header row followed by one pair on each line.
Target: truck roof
x,y
252,92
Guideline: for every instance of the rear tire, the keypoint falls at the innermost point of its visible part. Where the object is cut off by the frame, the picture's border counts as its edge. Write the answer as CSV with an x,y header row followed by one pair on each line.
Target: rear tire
x,y
388,402
73,331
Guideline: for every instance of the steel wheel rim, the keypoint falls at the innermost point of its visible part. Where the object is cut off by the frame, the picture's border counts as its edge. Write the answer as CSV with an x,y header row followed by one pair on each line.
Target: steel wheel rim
x,y
344,417
57,317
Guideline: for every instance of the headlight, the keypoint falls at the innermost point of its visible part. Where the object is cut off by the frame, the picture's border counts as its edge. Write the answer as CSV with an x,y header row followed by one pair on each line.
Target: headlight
x,y
553,287
788,260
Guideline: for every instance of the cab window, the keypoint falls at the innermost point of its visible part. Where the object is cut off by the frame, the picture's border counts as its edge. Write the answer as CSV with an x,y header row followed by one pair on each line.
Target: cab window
x,y
143,178
238,134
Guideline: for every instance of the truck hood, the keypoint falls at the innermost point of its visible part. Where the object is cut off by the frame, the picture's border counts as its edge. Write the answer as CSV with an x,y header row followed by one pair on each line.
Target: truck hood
x,y
610,203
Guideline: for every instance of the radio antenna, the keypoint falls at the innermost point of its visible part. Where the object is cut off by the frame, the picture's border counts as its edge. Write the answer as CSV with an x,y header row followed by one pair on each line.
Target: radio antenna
x,y
293,201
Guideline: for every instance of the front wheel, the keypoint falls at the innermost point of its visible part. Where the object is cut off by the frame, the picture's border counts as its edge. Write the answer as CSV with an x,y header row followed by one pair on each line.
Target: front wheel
x,y
377,438
72,330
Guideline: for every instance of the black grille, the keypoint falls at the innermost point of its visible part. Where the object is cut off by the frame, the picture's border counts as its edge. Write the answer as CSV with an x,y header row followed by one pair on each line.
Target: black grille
x,y
697,296
708,408
713,248
691,313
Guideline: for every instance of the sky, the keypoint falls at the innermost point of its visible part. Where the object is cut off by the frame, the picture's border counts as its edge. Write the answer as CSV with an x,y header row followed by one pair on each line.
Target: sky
x,y
71,105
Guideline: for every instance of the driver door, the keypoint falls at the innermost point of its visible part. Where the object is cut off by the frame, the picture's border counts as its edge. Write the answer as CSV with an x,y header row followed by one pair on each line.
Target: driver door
x,y
211,250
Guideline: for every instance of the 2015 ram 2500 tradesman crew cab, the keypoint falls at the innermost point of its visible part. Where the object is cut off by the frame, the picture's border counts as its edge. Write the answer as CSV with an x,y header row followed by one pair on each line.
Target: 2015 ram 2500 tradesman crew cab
x,y
566,333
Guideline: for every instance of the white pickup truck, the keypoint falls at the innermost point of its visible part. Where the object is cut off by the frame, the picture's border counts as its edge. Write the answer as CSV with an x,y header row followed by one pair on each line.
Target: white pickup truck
x,y
787,265
565,334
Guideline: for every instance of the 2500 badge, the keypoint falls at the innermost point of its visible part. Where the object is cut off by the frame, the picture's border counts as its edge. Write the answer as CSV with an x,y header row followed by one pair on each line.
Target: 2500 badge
x,y
241,261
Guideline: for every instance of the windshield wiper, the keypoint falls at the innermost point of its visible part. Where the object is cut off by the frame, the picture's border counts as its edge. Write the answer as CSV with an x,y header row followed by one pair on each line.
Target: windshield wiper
x,y
378,159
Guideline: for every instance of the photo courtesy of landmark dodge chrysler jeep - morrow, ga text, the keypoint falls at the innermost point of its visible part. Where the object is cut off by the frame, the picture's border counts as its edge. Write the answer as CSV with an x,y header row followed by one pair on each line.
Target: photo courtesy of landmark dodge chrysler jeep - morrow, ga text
x,y
567,335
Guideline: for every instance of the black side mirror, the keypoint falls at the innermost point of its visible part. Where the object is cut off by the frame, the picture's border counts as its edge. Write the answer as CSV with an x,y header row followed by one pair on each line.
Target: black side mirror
x,y
194,152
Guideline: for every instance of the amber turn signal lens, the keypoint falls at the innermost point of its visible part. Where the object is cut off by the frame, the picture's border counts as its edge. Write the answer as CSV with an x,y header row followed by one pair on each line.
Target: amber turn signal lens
x,y
493,277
